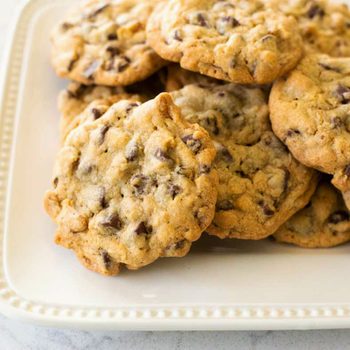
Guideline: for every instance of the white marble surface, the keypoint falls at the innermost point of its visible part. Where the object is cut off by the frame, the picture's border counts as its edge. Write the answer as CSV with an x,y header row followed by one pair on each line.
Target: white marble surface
x,y
16,335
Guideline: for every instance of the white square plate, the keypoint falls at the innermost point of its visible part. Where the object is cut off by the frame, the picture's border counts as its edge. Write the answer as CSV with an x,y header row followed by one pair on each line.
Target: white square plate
x,y
220,285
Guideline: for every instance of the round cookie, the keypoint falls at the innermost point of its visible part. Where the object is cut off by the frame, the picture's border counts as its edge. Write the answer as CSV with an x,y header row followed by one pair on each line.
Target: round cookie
x,y
104,43
260,184
240,41
134,185
324,25
310,112
323,223
77,97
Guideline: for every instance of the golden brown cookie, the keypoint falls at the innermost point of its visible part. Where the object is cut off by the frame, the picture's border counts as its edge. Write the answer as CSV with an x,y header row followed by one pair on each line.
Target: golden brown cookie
x,y
239,41
323,223
133,185
104,43
310,111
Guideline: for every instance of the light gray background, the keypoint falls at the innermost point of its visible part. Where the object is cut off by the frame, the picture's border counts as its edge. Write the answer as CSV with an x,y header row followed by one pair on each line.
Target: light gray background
x,y
16,335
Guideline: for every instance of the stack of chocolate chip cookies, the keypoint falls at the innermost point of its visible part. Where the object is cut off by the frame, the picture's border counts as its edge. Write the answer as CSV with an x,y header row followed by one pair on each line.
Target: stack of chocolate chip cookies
x,y
225,117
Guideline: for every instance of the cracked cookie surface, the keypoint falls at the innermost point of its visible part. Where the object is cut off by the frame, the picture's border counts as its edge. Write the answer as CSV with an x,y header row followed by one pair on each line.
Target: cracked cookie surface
x,y
133,185
323,223
104,43
260,184
239,41
310,112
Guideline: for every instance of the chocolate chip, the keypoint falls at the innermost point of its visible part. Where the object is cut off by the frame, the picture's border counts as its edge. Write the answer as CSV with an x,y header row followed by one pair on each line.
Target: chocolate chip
x,y
72,64
103,132
113,51
131,106
293,132
242,174
286,179
266,209
85,169
194,144
226,23
180,244
328,67
201,219
107,260
112,221
139,182
103,202
177,35
174,190
337,122
231,21
339,216
221,94
79,92
201,20
89,71
308,205
66,26
125,62
186,172
132,153
204,169
347,170
55,181
154,183
225,205
97,11
102,198
225,154
314,11
75,165
343,93
143,229
233,62
211,124
161,155
96,113
112,36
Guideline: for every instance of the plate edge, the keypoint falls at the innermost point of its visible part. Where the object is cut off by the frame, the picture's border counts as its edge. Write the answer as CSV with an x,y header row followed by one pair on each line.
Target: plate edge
x,y
196,317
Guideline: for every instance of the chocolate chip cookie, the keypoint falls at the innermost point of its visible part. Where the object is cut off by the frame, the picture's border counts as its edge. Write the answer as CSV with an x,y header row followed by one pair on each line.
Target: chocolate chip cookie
x,y
310,112
324,25
240,41
260,184
77,97
323,223
104,43
133,185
